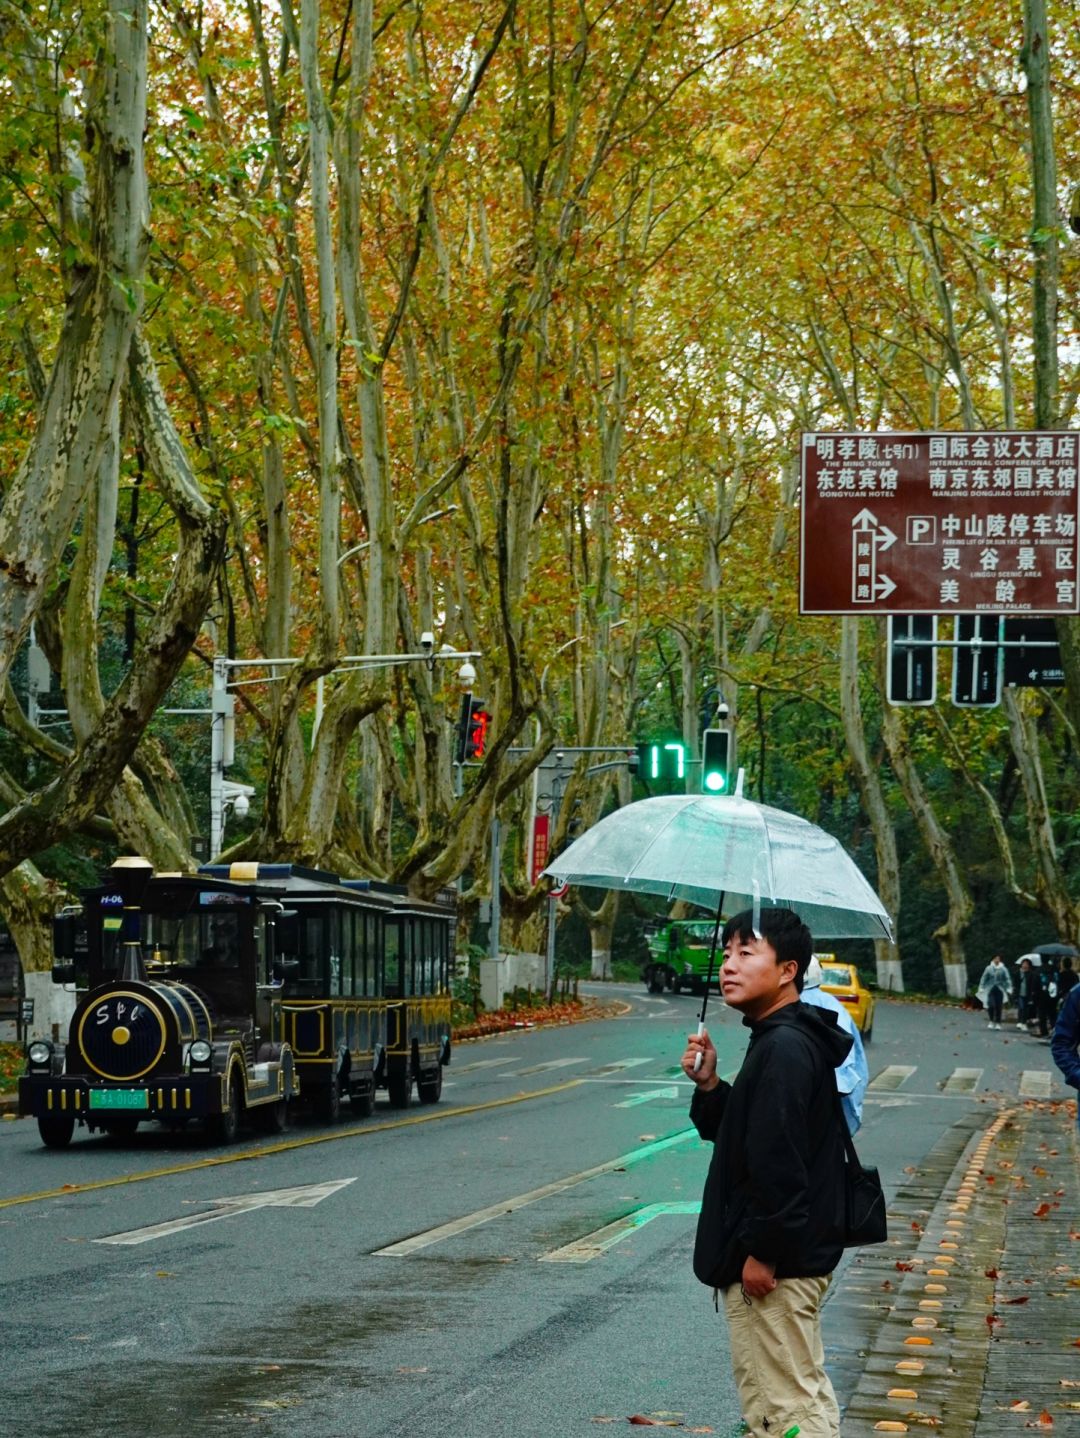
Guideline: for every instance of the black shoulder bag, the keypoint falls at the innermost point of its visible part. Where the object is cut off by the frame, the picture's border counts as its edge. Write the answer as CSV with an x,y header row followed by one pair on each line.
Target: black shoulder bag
x,y
864,1201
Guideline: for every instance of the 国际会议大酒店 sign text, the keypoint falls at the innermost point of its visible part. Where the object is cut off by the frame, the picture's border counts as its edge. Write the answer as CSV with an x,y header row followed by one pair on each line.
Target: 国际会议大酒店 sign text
x,y
938,523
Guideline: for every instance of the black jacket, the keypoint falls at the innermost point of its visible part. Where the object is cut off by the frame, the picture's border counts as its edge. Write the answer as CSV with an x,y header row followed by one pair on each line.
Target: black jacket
x,y
775,1187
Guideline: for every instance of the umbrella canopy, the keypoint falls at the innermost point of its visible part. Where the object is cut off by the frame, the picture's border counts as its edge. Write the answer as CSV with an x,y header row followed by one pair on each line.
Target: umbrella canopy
x,y
711,848
1055,951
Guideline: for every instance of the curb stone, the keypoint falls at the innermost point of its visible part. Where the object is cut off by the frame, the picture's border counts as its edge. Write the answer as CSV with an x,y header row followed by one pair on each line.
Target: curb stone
x,y
977,1278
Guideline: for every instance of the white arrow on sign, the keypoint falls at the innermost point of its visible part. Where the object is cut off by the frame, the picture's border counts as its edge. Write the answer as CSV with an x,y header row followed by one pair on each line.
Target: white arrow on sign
x,y
637,1098
306,1197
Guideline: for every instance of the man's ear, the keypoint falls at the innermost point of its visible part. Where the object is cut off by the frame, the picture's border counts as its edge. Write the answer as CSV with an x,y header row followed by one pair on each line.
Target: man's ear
x,y
789,969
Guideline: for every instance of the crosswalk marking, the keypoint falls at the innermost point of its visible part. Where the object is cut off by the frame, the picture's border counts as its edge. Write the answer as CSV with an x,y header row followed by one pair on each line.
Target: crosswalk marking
x,y
1035,1083
962,1081
483,1064
892,1077
543,1068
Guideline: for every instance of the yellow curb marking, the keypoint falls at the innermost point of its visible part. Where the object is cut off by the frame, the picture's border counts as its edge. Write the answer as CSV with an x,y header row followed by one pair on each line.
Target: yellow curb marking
x,y
935,1288
910,1365
930,1303
902,1393
939,1272
887,1425
924,1323
918,1340
286,1147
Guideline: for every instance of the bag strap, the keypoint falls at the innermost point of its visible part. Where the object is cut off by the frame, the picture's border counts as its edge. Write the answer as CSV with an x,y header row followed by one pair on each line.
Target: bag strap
x,y
849,1147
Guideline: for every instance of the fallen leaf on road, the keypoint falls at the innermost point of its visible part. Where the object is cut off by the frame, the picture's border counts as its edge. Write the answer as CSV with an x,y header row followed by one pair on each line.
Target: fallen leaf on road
x,y
1042,1210
1024,1299
1020,1406
991,1273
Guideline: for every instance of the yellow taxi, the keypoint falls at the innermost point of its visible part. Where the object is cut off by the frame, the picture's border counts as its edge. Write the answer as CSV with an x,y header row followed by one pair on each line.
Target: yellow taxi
x,y
843,982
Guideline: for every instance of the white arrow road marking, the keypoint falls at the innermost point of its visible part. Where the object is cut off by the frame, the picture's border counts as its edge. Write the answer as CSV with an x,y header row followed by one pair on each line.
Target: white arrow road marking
x,y
306,1197
594,1244
622,1064
482,1064
637,1098
408,1246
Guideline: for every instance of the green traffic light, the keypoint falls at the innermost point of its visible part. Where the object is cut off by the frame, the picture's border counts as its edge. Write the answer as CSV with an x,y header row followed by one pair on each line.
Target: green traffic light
x,y
716,782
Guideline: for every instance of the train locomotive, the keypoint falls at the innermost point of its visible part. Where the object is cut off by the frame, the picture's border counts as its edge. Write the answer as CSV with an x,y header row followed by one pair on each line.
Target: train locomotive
x,y
223,996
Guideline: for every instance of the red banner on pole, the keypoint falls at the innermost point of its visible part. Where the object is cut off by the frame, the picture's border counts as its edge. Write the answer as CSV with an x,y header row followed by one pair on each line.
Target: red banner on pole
x,y
938,523
541,835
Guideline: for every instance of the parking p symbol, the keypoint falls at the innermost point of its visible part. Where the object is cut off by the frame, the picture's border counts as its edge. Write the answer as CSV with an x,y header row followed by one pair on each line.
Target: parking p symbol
x,y
922,529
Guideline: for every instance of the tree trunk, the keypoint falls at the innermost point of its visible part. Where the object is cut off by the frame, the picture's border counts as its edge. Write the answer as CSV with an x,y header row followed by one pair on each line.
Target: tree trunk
x,y
74,424
889,969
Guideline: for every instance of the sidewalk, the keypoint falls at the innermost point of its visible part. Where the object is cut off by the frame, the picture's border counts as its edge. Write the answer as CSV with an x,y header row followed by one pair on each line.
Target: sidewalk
x,y
976,1297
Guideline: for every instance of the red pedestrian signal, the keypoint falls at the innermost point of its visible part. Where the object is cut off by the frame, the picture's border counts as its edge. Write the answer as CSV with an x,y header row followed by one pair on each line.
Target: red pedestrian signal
x,y
472,729
476,736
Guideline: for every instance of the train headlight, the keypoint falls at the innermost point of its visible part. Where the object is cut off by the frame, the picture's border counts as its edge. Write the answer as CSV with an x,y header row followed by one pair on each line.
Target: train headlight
x,y
199,1054
39,1054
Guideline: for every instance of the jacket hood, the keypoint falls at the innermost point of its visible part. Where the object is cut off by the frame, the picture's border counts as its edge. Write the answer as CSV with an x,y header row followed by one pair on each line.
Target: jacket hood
x,y
820,1024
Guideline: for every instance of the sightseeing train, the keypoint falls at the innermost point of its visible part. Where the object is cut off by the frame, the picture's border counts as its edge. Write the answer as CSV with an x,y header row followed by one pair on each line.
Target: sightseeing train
x,y
223,995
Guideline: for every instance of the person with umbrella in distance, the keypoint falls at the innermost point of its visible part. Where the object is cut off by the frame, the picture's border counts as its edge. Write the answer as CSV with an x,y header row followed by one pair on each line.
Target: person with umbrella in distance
x,y
772,1213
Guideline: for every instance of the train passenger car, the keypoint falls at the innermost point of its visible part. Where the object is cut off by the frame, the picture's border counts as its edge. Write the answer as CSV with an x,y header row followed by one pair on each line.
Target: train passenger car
x,y
365,1000
179,1013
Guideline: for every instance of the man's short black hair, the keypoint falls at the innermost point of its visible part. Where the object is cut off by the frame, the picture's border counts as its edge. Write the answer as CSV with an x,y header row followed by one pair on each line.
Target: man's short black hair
x,y
783,929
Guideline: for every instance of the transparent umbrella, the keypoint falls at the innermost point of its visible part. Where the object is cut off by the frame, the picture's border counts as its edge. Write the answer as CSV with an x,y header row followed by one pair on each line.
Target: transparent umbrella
x,y
723,852
727,854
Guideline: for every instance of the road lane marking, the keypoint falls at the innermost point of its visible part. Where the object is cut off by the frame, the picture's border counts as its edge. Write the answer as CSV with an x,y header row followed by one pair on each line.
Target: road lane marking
x,y
592,1245
268,1150
621,1064
962,1081
636,1098
444,1231
892,1077
1035,1083
305,1197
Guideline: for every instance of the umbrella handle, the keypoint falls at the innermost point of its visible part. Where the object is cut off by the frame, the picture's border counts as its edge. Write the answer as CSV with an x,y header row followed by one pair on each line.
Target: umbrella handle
x,y
700,1055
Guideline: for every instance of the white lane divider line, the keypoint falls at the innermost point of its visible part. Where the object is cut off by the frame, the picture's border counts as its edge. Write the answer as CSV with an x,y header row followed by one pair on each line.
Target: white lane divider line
x,y
962,1081
636,1098
1036,1083
544,1067
444,1231
592,1245
892,1077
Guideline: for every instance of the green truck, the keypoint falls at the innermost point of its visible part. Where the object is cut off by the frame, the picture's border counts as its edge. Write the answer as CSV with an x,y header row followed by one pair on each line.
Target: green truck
x,y
679,956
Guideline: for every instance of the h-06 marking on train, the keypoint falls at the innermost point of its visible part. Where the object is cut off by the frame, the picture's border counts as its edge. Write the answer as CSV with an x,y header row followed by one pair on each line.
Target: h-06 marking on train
x,y
222,996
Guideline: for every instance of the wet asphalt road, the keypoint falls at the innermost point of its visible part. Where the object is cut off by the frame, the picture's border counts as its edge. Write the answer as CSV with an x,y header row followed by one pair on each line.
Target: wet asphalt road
x,y
290,1320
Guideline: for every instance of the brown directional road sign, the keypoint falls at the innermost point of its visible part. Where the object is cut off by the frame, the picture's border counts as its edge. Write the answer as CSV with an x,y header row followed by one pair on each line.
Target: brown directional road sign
x,y
966,523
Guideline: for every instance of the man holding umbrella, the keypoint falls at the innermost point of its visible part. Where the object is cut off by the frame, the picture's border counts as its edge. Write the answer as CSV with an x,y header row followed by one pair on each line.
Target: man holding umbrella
x,y
771,1226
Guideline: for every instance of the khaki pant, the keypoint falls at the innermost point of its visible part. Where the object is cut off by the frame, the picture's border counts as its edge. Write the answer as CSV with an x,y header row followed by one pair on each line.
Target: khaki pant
x,y
779,1360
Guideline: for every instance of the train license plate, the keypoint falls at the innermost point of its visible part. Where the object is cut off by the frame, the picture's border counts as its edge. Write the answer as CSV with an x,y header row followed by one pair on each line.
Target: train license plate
x,y
119,1098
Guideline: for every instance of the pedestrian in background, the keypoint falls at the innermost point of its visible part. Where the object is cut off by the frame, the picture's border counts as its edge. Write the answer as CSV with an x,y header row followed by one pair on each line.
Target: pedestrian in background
x,y
772,1213
1066,979
1027,988
1065,1045
1047,997
994,991
853,1075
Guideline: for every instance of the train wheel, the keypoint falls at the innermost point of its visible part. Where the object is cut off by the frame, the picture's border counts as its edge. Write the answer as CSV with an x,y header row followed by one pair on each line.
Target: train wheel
x,y
362,1101
272,1117
56,1129
224,1127
399,1084
430,1089
328,1101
